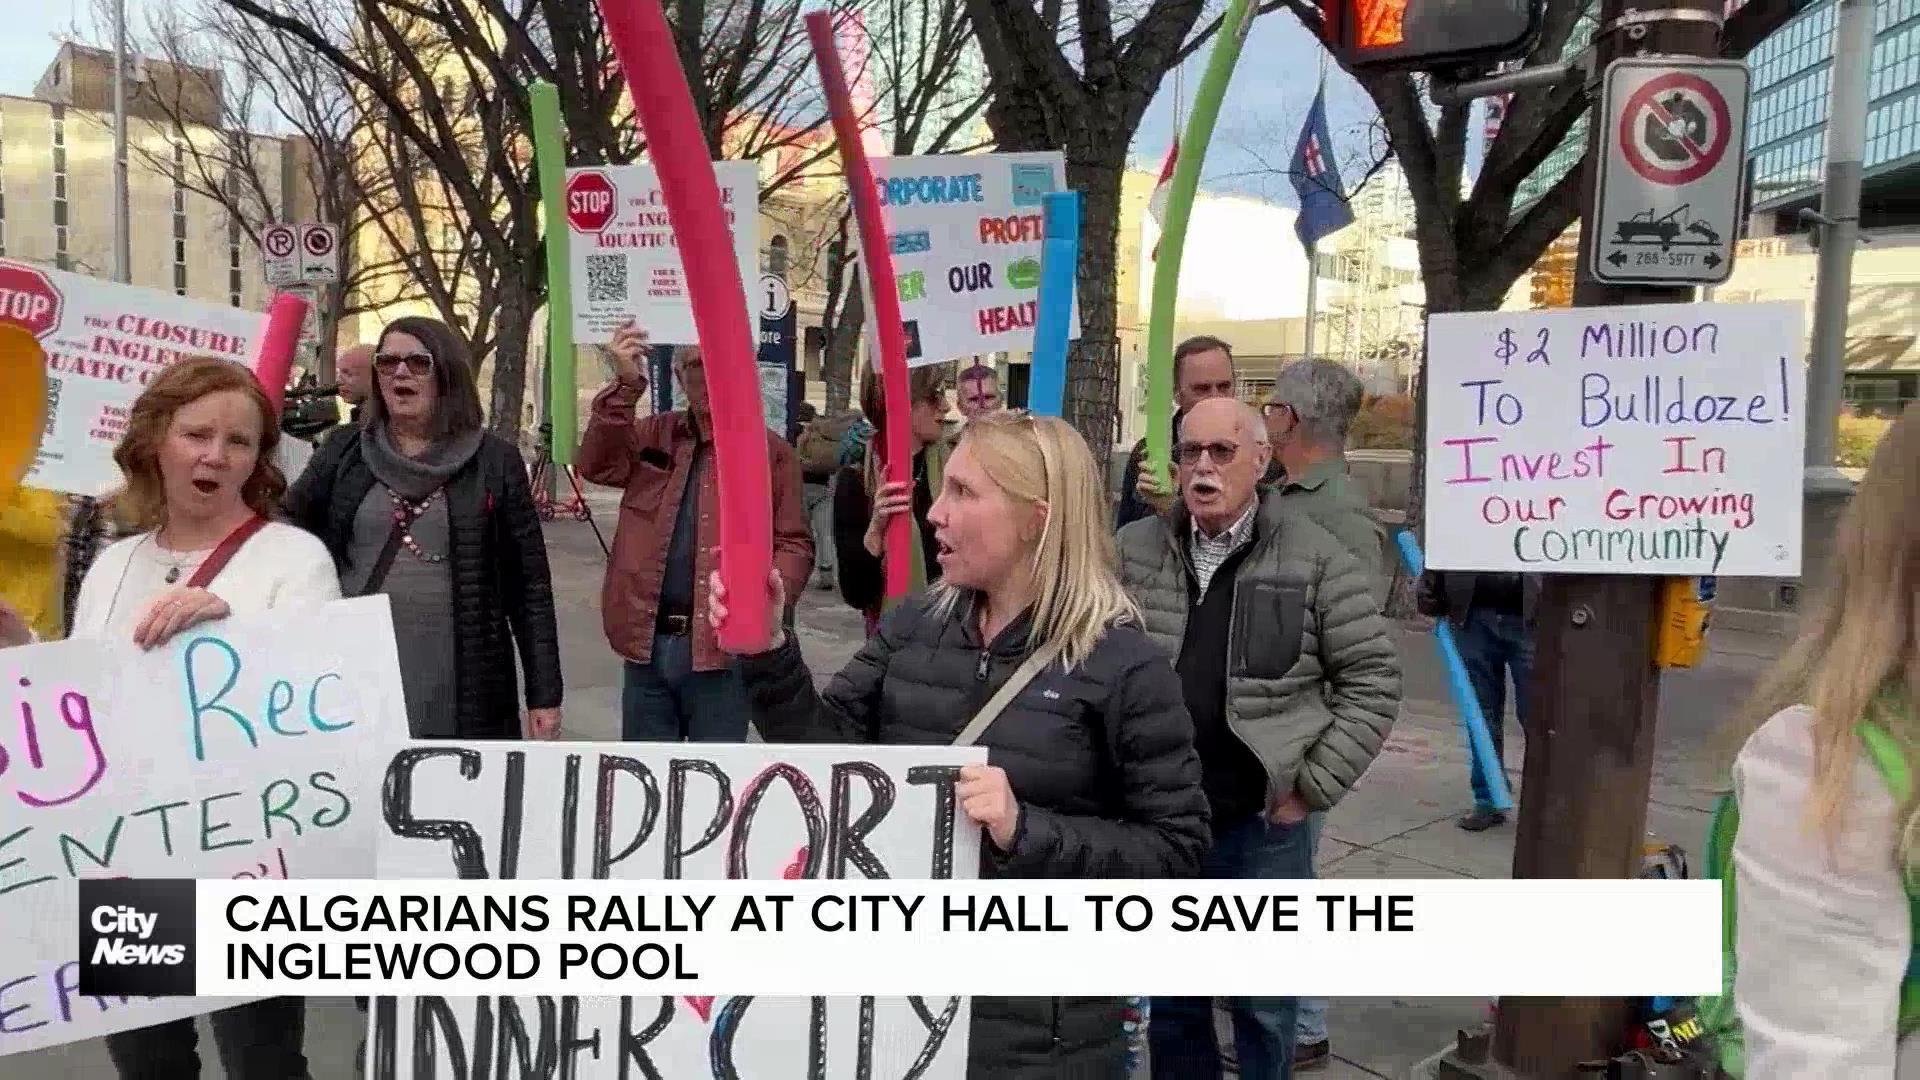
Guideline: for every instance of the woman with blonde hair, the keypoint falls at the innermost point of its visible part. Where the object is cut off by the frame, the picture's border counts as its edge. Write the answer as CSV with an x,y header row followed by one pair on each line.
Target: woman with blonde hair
x,y
1092,771
1823,856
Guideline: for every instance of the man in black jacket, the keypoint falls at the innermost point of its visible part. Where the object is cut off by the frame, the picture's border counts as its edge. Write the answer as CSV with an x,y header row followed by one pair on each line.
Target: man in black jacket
x,y
1202,369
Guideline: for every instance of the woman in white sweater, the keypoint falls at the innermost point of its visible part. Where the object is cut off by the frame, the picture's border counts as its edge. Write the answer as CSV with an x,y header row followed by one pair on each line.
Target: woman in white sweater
x,y
198,457
1824,929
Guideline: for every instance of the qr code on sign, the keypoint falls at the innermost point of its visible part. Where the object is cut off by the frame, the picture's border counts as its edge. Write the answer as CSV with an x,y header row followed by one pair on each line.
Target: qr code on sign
x,y
606,279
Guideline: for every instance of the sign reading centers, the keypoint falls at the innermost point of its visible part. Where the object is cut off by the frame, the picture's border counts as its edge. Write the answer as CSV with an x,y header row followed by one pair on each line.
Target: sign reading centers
x,y
1675,128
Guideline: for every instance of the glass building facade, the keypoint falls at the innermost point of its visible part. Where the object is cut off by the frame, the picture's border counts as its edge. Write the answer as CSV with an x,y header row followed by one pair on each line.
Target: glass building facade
x,y
1567,155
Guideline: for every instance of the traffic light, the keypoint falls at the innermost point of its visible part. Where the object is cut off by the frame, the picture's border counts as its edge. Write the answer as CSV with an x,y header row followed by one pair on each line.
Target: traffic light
x,y
1428,35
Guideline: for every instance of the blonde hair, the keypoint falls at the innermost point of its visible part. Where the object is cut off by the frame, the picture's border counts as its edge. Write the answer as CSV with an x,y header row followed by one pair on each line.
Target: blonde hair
x,y
1859,638
1077,594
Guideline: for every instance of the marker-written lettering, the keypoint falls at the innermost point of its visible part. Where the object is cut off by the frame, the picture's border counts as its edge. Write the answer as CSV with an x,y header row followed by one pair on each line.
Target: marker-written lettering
x,y
220,664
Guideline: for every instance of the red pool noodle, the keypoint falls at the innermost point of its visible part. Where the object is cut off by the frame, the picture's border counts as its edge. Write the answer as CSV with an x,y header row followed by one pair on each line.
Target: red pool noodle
x,y
885,295
274,359
677,148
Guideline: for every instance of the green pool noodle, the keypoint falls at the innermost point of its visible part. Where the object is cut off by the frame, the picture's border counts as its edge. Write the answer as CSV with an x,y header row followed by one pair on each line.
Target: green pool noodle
x,y
550,157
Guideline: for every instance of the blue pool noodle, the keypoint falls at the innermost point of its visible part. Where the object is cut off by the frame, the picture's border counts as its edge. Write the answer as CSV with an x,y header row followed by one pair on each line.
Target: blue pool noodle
x,y
1479,738
1059,255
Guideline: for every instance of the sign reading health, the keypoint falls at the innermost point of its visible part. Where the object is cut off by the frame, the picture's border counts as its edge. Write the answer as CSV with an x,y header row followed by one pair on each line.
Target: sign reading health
x,y
244,748
626,263
104,342
966,233
648,812
1664,439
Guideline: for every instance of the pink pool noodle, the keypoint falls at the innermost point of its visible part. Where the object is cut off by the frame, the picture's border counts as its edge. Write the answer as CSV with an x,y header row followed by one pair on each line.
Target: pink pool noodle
x,y
274,359
677,149
878,256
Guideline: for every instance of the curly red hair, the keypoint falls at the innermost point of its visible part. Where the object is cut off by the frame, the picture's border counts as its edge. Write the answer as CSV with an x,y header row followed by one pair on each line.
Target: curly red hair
x,y
142,503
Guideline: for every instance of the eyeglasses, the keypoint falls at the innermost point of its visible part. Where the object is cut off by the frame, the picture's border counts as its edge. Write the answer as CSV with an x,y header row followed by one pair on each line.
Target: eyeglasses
x,y
416,363
1222,453
1271,407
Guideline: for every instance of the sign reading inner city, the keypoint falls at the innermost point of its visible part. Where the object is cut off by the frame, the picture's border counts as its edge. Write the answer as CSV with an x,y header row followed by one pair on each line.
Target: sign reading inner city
x,y
1661,439
1671,163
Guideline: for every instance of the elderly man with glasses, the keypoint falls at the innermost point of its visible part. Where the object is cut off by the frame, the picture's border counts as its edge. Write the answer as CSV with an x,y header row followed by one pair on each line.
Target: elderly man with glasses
x,y
1290,678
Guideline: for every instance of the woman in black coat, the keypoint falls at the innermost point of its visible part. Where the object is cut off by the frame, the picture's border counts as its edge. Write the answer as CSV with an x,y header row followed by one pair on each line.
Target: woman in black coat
x,y
418,501
1092,771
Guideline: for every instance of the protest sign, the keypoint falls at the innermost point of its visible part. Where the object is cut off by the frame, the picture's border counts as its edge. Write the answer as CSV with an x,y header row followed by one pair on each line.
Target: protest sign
x,y
104,342
692,812
966,236
625,261
1662,439
245,748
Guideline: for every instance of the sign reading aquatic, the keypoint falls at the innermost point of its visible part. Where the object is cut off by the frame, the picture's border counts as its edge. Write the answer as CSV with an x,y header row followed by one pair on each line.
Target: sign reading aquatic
x,y
966,234
248,748
625,260
1663,439
104,342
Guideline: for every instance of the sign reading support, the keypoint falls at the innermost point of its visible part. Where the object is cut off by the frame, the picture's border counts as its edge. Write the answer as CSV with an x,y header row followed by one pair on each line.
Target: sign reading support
x,y
1673,152
1617,440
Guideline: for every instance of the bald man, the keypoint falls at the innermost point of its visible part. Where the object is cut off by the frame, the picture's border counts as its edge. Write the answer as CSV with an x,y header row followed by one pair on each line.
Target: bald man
x,y
1290,678
353,373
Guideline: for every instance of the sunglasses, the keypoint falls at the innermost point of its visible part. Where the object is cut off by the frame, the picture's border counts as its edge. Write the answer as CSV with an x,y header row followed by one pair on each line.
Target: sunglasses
x,y
1222,453
416,363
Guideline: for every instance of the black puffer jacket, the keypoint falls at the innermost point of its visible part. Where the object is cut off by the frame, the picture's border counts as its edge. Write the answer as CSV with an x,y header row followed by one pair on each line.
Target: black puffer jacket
x,y
502,589
1101,760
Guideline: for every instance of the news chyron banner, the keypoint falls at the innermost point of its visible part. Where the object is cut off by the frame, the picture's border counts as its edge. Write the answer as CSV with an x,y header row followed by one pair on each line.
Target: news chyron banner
x,y
249,748
104,341
966,233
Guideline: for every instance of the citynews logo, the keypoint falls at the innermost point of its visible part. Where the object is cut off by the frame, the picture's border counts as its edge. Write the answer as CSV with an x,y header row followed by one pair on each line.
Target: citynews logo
x,y
137,937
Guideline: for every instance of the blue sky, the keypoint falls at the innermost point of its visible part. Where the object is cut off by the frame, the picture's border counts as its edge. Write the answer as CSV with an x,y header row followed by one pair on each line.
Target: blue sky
x,y
1260,118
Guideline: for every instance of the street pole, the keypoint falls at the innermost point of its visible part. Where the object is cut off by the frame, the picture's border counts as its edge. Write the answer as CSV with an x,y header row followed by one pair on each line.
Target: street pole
x,y
1595,693
1313,283
1839,236
122,242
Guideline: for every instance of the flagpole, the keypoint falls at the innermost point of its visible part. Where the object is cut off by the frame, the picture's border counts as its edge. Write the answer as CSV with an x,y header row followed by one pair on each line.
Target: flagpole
x,y
1313,282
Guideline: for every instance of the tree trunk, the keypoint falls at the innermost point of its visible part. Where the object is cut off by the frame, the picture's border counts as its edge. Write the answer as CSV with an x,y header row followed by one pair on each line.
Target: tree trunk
x,y
1092,402
512,327
836,365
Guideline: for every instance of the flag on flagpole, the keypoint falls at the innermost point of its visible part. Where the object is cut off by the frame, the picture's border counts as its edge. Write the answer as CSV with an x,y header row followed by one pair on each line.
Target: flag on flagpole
x,y
1316,178
1157,205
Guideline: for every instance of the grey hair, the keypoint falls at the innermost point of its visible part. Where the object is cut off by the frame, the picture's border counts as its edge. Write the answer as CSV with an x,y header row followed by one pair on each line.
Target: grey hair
x,y
1325,396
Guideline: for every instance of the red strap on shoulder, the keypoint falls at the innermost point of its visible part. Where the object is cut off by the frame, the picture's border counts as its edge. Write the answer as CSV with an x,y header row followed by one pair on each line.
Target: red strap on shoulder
x,y
217,561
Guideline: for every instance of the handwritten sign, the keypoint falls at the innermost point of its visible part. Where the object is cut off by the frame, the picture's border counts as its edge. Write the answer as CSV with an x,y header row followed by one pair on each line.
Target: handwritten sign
x,y
640,811
1663,439
626,263
966,236
104,342
246,748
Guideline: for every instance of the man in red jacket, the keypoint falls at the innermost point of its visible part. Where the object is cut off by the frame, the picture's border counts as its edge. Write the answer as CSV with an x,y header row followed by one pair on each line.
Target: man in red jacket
x,y
679,686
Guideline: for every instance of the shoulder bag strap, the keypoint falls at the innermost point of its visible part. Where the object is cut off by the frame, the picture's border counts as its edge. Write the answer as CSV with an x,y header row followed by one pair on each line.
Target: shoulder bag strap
x,y
1010,689
217,561
388,553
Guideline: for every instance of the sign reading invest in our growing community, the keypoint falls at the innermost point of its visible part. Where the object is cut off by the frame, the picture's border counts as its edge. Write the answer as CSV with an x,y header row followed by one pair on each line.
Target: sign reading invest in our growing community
x,y
1665,440
966,234
247,748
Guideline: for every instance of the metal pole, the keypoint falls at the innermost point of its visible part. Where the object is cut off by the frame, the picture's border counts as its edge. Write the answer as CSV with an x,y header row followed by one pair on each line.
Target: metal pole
x,y
1313,282
122,257
1840,205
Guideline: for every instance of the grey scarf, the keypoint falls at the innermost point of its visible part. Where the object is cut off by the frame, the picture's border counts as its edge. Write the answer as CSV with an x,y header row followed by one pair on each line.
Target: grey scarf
x,y
416,478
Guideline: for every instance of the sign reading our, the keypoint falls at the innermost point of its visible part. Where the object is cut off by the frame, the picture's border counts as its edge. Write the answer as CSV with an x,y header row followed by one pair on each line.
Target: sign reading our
x,y
626,263
1660,440
715,812
966,232
104,342
244,748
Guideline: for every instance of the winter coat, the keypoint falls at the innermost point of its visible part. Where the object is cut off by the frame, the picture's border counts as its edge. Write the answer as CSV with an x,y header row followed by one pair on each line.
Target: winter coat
x,y
502,589
1100,758
1313,679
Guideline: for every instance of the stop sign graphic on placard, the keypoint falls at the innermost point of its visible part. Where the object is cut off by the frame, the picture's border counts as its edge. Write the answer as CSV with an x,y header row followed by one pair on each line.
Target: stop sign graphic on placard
x,y
28,299
590,199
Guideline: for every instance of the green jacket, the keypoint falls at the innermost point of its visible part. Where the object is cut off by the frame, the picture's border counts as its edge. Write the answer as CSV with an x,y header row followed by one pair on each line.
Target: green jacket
x,y
1323,493
1313,680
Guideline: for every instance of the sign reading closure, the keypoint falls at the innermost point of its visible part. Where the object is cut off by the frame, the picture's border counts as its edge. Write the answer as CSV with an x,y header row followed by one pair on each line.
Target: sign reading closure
x,y
966,235
1665,439
626,263
245,748
645,811
104,342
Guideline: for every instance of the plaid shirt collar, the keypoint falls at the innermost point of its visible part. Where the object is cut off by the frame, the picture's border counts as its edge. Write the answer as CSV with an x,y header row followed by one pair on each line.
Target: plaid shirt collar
x,y
1209,553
